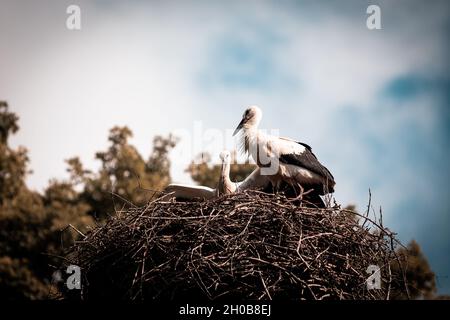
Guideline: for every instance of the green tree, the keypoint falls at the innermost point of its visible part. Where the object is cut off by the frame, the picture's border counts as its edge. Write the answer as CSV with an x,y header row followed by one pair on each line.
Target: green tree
x,y
24,224
415,269
68,214
124,177
13,163
33,227
207,174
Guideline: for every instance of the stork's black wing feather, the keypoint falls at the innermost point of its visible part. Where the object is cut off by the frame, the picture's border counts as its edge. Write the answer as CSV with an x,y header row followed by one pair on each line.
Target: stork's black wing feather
x,y
307,146
308,160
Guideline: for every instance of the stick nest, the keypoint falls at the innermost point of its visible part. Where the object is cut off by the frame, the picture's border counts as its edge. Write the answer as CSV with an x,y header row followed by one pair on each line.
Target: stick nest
x,y
247,245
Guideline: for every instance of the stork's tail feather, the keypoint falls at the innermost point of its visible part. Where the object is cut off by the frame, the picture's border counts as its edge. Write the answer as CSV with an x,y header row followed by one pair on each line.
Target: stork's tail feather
x,y
315,200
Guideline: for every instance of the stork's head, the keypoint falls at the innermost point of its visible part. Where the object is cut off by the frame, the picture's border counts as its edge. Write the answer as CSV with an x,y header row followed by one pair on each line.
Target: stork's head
x,y
225,156
250,119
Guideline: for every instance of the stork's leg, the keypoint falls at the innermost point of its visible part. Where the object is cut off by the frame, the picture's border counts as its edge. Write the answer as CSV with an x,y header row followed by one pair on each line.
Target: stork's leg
x,y
300,196
275,185
302,193
278,186
294,187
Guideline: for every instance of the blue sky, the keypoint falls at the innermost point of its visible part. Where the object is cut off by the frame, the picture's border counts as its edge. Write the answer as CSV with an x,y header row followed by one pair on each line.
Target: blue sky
x,y
374,105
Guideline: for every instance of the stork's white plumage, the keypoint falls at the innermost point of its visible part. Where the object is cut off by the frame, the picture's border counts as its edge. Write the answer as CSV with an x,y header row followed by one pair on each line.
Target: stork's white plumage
x,y
225,186
291,161
184,191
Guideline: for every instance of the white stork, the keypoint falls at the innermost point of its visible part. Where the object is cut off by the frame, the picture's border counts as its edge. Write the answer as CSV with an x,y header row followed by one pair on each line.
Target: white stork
x,y
225,186
295,163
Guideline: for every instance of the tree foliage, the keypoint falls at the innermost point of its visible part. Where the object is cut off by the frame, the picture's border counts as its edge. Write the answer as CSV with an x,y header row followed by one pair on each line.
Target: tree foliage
x,y
417,272
125,176
24,225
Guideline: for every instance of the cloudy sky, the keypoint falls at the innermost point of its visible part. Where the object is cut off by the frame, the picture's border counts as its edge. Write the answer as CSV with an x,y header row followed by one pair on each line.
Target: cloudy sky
x,y
373,104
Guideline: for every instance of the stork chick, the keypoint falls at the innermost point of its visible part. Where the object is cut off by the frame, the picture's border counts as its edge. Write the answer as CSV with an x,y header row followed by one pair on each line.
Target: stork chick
x,y
225,185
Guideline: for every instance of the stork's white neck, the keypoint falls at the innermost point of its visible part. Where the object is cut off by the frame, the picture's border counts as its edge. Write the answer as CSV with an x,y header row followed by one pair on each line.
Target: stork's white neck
x,y
225,184
225,172
256,143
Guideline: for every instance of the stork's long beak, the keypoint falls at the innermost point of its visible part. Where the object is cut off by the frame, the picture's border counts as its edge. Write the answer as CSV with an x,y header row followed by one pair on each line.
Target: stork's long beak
x,y
239,127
